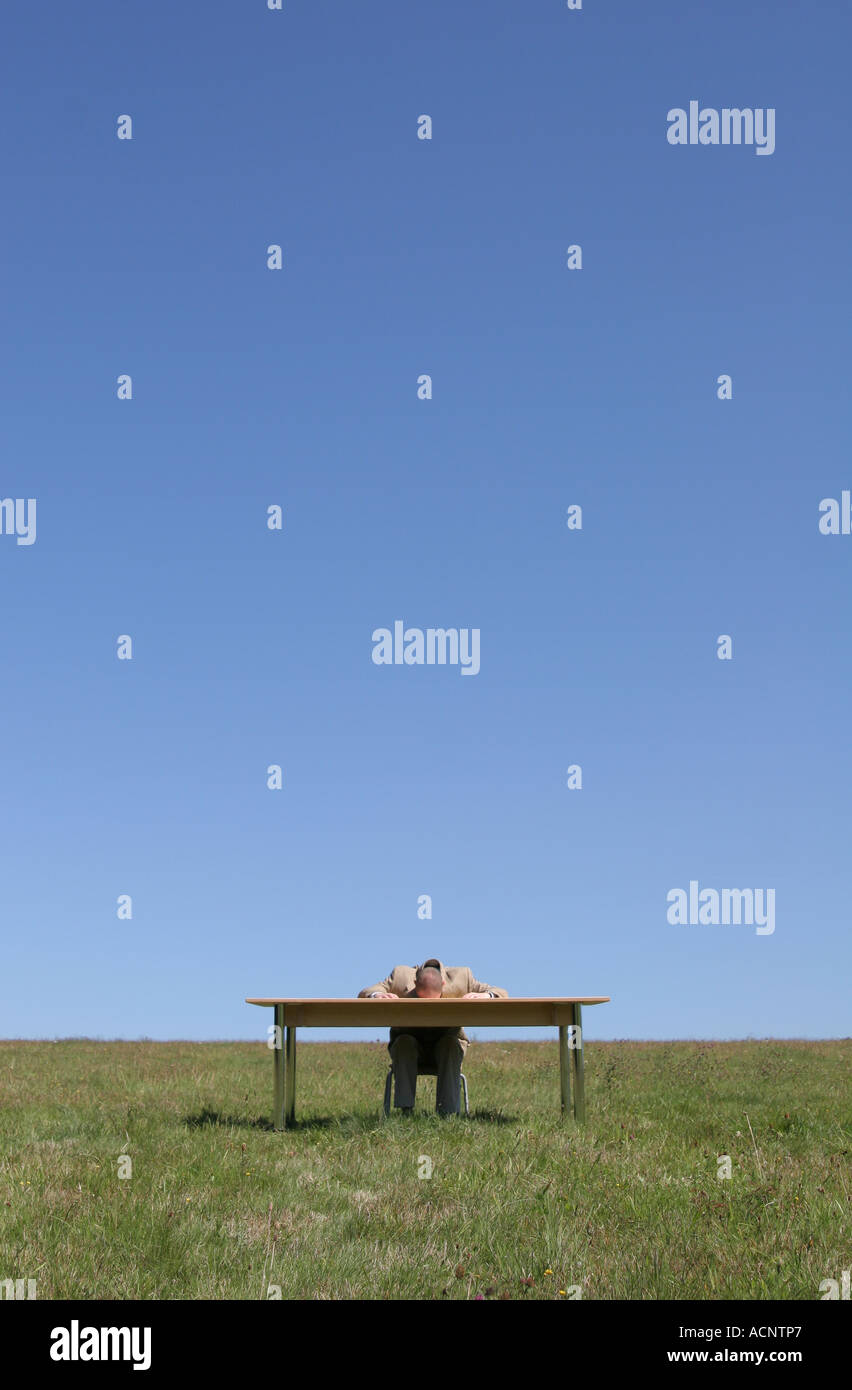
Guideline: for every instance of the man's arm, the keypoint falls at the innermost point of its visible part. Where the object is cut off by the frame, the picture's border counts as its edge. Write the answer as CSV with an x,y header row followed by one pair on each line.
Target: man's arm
x,y
380,991
488,991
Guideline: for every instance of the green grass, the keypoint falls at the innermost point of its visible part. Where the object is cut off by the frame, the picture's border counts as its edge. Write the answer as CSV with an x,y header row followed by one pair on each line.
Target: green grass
x,y
630,1206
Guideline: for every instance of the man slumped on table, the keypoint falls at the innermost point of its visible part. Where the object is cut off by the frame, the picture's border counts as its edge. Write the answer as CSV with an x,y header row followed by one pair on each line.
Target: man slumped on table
x,y
418,1048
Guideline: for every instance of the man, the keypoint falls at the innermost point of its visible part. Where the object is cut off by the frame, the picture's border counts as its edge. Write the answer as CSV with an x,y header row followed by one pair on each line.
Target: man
x,y
442,1048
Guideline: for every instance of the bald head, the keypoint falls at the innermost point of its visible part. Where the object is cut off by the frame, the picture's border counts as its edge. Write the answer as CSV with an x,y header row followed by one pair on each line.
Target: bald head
x,y
428,982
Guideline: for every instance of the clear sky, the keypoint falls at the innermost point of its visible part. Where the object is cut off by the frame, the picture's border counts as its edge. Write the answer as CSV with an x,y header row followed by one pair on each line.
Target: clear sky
x,y
551,387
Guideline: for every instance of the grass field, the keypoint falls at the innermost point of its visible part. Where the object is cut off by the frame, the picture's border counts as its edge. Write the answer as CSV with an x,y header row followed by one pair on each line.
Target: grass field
x,y
519,1205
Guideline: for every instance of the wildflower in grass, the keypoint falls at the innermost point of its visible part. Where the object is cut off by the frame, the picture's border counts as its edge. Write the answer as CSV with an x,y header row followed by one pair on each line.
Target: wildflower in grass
x,y
547,1271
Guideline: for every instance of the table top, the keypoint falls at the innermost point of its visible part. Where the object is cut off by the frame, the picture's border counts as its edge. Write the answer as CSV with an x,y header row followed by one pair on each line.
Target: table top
x,y
538,1011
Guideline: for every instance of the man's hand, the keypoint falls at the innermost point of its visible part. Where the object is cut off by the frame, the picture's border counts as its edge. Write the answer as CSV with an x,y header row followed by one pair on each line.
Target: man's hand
x,y
476,996
384,996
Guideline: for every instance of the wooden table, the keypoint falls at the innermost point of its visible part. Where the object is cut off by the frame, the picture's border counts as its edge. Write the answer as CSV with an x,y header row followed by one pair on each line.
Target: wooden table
x,y
290,1014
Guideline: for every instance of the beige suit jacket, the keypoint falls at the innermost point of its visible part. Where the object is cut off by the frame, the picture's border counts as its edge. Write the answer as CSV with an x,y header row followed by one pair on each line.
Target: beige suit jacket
x,y
458,980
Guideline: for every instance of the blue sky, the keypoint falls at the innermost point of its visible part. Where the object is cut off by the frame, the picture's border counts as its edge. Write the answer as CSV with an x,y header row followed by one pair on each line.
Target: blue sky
x,y
551,387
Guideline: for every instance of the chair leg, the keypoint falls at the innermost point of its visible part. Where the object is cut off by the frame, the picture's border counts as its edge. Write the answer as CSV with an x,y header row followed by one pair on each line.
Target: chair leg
x,y
464,1089
388,1080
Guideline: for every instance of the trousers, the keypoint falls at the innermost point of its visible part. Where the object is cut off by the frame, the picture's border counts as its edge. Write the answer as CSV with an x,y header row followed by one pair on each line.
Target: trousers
x,y
410,1053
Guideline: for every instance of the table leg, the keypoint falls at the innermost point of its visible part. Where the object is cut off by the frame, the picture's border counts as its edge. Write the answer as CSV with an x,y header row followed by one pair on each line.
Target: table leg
x,y
577,1065
564,1074
278,1068
290,1068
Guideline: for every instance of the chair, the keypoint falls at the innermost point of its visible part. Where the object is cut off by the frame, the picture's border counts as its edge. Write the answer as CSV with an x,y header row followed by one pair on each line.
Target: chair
x,y
423,1071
